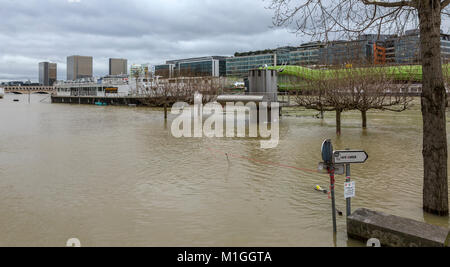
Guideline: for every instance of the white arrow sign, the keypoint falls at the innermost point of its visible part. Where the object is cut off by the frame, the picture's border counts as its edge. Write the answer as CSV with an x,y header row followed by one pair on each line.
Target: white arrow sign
x,y
350,156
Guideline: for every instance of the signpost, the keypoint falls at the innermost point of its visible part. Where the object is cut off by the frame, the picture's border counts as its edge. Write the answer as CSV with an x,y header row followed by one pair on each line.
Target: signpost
x,y
327,157
348,198
350,156
338,162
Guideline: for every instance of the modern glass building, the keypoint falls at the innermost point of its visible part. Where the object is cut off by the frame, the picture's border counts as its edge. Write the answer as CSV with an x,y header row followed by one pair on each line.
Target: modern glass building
x,y
240,66
165,70
367,49
407,48
345,52
213,66
242,63
306,54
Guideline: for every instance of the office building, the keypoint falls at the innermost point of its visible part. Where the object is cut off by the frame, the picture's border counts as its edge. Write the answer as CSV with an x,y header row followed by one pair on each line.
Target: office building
x,y
165,70
212,66
304,55
141,70
118,66
79,67
47,73
389,46
407,48
239,66
368,49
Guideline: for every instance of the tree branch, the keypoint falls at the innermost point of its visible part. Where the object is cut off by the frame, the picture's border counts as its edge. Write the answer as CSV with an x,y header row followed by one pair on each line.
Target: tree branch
x,y
391,4
444,4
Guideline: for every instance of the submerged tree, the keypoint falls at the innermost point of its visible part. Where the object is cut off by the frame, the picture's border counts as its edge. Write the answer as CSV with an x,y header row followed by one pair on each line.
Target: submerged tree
x,y
360,89
325,19
166,92
328,94
375,89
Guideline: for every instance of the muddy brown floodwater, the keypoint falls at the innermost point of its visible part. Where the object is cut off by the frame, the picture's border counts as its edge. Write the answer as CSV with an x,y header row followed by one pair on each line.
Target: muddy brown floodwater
x,y
115,176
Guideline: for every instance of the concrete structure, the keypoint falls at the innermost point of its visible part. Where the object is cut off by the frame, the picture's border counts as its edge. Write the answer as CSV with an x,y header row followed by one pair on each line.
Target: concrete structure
x,y
262,89
118,66
395,231
79,67
264,82
213,66
47,73
30,89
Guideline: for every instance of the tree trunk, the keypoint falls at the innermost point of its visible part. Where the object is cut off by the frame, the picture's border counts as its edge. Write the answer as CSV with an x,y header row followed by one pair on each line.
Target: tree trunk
x,y
435,192
338,122
165,110
364,118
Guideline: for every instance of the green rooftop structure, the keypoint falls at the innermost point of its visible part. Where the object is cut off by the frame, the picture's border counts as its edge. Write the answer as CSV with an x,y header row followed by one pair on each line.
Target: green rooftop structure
x,y
397,73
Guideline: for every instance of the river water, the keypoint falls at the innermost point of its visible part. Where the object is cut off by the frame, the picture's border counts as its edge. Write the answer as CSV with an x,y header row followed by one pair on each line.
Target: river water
x,y
115,176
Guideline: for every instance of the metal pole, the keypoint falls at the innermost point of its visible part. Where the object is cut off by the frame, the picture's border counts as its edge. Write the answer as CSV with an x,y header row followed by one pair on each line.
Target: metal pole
x,y
349,200
333,199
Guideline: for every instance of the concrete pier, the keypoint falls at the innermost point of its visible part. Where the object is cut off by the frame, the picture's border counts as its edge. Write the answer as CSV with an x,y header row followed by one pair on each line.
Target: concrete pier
x,y
394,231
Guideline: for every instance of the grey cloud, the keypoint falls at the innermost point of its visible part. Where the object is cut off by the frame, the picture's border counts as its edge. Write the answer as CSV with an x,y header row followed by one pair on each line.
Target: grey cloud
x,y
143,31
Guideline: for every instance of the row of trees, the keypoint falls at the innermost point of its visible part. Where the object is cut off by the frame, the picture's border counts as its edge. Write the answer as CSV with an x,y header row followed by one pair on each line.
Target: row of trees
x,y
168,91
354,89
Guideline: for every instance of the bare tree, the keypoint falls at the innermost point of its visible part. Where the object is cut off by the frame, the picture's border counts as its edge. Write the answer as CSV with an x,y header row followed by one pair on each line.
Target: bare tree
x,y
375,88
329,94
325,19
182,89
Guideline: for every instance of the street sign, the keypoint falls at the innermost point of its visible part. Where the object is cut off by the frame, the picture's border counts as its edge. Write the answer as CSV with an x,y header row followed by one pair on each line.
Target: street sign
x,y
327,151
349,190
350,156
339,169
338,163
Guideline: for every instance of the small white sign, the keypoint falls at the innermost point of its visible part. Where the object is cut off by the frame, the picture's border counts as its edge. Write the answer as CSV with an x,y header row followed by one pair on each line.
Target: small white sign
x,y
349,190
350,156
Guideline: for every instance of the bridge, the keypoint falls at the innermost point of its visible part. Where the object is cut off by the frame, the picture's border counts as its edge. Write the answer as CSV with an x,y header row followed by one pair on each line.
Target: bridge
x,y
32,89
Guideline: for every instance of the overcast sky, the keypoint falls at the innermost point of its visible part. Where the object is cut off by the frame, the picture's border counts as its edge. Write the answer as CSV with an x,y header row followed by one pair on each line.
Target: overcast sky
x,y
143,31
